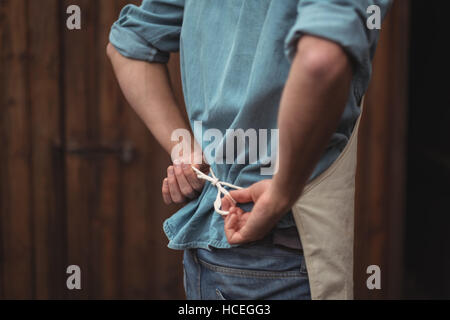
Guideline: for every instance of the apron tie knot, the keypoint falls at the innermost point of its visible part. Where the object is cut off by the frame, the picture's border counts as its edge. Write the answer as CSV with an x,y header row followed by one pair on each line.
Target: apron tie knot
x,y
220,189
215,182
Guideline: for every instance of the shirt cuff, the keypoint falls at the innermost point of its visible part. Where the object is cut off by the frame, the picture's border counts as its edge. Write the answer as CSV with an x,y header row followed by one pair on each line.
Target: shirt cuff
x,y
131,45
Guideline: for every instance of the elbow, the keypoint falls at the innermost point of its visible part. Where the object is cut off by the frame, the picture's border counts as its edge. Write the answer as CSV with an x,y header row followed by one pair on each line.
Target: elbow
x,y
322,60
110,51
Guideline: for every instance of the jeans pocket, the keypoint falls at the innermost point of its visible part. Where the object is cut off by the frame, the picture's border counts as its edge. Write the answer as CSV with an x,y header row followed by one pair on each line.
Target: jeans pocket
x,y
231,283
252,273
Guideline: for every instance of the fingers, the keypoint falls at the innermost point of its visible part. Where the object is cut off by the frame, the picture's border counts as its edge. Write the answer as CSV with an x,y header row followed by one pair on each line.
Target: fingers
x,y
184,186
181,184
227,203
192,179
166,192
234,225
174,190
230,225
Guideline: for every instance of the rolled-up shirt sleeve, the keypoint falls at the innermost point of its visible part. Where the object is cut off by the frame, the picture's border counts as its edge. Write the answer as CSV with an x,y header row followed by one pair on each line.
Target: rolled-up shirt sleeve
x,y
149,32
343,22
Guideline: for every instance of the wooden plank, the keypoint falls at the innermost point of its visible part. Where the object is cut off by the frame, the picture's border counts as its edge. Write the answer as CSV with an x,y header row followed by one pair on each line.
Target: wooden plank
x,y
49,223
80,128
397,114
105,229
381,169
17,274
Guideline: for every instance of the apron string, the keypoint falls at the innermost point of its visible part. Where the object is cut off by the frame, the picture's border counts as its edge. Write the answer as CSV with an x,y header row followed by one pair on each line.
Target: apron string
x,y
220,189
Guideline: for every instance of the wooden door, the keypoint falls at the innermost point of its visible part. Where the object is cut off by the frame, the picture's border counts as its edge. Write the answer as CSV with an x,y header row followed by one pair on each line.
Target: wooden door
x,y
80,174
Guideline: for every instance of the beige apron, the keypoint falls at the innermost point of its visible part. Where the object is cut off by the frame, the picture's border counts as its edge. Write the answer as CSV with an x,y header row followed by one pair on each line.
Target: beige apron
x,y
324,215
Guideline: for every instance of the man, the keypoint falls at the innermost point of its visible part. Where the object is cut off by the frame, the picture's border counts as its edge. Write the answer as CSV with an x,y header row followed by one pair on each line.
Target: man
x,y
298,65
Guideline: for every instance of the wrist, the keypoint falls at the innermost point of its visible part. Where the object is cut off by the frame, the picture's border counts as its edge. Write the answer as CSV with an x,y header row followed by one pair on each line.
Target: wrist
x,y
188,155
280,198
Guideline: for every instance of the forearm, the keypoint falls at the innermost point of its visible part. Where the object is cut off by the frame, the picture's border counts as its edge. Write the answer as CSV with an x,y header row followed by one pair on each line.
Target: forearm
x,y
311,107
147,88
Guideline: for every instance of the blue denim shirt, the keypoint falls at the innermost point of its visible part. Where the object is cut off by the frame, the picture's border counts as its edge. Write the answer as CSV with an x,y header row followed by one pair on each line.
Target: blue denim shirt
x,y
235,59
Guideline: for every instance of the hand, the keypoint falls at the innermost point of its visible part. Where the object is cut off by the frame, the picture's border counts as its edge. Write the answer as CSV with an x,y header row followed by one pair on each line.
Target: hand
x,y
182,184
270,206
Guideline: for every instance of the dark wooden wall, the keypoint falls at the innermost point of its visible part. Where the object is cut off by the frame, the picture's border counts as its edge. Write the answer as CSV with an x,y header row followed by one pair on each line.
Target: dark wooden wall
x,y
80,175
381,174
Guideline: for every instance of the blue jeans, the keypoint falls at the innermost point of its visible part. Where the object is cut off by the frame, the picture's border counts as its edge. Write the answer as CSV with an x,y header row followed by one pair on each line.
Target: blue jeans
x,y
252,272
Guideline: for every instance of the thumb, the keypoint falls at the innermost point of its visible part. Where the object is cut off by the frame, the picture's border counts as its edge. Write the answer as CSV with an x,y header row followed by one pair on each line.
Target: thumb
x,y
242,196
